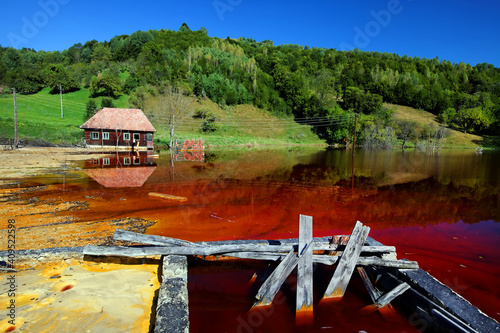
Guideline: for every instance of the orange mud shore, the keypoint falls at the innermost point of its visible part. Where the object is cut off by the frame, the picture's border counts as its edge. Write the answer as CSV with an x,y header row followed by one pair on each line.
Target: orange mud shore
x,y
58,293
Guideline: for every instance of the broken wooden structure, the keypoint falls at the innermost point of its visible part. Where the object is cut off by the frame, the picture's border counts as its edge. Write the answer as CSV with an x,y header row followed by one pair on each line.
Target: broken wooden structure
x,y
401,279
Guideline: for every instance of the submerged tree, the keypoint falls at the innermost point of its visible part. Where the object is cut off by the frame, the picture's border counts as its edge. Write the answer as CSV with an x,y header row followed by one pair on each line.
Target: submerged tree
x,y
406,131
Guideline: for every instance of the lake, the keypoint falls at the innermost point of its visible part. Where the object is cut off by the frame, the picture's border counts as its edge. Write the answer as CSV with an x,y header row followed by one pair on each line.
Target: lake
x,y
441,209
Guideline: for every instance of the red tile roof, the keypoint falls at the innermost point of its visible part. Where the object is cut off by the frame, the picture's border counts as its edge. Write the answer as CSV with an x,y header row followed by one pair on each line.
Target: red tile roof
x,y
123,119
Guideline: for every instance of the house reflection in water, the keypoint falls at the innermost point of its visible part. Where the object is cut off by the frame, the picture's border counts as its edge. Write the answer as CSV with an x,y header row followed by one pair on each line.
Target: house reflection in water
x,y
125,169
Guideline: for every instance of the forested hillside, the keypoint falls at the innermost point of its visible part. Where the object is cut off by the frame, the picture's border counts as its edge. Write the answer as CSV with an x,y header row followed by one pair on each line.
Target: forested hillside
x,y
321,87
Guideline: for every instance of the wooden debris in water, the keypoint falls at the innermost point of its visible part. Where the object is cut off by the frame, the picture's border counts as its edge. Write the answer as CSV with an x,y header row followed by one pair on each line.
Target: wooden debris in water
x,y
167,197
272,285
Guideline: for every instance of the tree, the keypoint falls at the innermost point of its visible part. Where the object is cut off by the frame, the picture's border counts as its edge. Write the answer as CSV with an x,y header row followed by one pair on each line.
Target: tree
x,y
56,77
107,102
91,109
406,131
169,109
108,82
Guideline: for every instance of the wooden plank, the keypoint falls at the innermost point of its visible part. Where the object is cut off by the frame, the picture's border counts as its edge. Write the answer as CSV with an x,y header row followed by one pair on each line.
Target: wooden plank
x,y
305,265
172,310
387,311
272,285
319,243
338,284
405,264
135,237
374,294
168,197
123,251
181,250
386,298
317,258
456,304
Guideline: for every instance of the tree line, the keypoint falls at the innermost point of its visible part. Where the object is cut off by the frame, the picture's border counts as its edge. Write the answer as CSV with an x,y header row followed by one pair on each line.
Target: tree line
x,y
286,80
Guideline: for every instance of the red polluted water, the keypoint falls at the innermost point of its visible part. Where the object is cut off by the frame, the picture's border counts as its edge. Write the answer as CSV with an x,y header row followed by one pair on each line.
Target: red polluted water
x,y
442,210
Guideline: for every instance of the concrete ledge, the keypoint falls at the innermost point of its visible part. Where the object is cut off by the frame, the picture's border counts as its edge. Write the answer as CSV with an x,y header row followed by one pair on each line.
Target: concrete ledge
x,y
172,311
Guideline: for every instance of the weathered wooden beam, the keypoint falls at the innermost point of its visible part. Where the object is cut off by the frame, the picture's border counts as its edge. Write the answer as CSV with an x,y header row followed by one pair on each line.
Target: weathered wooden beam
x,y
172,310
320,244
374,294
338,284
386,298
305,266
123,251
317,258
135,237
181,250
404,264
272,285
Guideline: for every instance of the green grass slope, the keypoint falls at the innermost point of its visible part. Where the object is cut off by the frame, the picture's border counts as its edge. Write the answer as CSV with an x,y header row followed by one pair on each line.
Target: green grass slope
x,y
456,139
39,118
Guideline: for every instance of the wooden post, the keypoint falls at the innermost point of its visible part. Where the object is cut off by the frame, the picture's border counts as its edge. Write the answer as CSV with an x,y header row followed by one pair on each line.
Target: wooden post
x,y
272,285
304,305
338,284
60,95
353,149
386,298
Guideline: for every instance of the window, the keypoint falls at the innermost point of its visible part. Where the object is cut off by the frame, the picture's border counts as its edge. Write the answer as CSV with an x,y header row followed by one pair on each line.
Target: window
x,y
94,135
126,136
95,161
105,161
105,135
137,136
126,160
149,137
137,160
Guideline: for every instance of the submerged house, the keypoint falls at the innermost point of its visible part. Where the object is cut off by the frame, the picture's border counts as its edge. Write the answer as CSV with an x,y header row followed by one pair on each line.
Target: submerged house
x,y
123,128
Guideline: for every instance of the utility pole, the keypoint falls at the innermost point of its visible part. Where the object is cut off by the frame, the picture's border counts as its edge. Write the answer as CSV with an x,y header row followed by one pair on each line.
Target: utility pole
x,y
60,95
16,138
354,141
353,148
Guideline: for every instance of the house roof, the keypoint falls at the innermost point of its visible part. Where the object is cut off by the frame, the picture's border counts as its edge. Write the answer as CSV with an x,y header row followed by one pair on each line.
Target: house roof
x,y
123,119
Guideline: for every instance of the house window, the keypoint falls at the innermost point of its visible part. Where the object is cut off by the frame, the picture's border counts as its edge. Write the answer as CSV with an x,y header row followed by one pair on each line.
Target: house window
x,y
149,137
94,135
137,136
137,160
105,161
126,136
95,161
105,135
126,160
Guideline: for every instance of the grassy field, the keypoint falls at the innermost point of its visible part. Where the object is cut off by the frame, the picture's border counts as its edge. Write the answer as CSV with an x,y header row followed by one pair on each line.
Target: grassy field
x,y
39,119
455,139
39,116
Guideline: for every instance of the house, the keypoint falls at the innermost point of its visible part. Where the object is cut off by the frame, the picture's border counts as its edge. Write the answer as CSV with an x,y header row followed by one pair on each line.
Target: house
x,y
119,128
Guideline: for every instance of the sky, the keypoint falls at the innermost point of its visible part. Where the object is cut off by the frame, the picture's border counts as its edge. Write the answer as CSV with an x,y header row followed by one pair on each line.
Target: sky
x,y
454,30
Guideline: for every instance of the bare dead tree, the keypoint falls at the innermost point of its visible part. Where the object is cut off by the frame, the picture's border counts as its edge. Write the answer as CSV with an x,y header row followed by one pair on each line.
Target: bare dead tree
x,y
169,109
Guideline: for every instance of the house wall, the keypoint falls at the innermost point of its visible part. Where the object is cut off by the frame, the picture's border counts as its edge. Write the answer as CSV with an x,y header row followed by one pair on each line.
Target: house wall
x,y
120,135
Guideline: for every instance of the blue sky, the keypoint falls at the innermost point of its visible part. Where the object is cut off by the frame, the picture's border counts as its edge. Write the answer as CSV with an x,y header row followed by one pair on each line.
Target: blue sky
x,y
457,30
